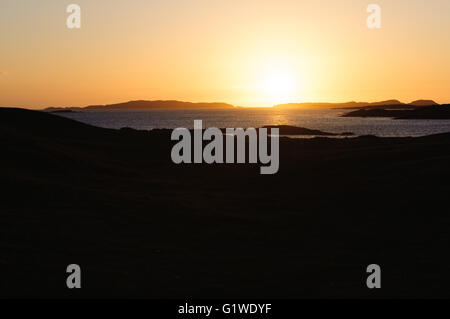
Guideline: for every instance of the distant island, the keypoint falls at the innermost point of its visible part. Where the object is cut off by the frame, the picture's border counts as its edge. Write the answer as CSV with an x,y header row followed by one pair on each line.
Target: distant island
x,y
181,105
419,109
146,105
295,130
285,130
433,112
356,105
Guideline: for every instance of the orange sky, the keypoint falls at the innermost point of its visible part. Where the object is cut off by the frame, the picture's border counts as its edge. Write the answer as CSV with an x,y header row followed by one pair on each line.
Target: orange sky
x,y
251,53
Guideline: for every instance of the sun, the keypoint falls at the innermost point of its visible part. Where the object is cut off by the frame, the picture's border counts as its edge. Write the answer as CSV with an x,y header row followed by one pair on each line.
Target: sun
x,y
278,85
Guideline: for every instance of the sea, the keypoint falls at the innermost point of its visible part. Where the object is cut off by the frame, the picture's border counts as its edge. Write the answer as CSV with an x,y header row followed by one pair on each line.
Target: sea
x,y
328,120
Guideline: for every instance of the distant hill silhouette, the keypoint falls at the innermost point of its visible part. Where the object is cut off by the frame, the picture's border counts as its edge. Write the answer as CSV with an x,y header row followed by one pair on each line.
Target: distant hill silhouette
x,y
180,105
351,104
388,102
423,103
355,105
148,105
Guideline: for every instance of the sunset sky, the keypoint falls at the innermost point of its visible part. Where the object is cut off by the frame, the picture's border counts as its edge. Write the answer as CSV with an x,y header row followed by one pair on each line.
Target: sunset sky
x,y
250,53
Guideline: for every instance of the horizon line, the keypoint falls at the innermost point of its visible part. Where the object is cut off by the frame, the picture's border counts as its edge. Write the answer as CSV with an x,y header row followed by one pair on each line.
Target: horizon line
x,y
220,102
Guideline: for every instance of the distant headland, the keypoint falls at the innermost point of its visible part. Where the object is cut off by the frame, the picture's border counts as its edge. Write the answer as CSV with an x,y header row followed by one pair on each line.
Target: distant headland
x,y
181,105
146,105
356,105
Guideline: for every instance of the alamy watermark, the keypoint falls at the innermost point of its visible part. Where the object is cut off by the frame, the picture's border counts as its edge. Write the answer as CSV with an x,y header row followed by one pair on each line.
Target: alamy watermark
x,y
374,279
74,19
215,152
374,19
74,279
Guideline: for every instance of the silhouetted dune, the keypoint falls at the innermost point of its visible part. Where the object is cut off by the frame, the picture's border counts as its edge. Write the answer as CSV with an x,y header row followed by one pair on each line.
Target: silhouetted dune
x,y
44,124
113,202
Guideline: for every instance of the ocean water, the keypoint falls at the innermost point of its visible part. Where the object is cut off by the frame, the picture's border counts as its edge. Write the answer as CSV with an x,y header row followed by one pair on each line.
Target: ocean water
x,y
328,120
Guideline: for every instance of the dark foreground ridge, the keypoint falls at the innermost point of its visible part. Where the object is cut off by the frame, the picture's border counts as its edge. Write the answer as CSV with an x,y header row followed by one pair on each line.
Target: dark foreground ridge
x,y
140,226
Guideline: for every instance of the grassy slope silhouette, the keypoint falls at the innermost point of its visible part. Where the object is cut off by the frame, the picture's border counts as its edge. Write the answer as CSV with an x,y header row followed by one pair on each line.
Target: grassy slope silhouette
x,y
113,202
